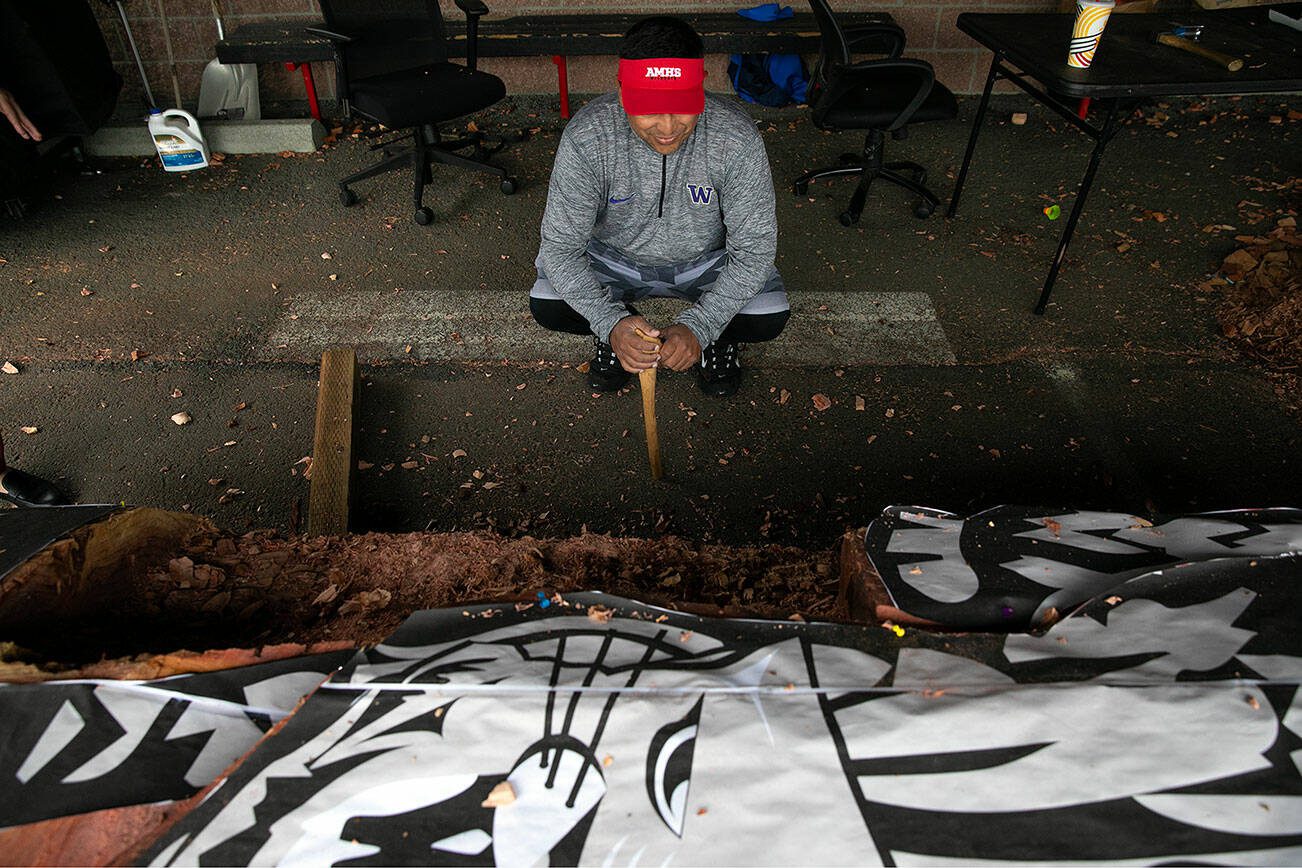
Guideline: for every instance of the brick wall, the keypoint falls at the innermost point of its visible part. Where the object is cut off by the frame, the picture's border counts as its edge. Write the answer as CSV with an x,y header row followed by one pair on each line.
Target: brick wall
x,y
929,25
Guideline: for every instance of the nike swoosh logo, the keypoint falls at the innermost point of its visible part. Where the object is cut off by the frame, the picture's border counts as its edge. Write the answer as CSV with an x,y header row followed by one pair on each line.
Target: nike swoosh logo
x,y
615,201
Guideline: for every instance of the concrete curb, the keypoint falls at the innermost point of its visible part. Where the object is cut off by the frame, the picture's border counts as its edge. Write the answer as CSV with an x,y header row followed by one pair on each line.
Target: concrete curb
x,y
300,135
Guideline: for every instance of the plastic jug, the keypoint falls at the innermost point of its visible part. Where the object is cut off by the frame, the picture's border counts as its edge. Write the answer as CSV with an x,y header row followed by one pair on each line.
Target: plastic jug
x,y
178,140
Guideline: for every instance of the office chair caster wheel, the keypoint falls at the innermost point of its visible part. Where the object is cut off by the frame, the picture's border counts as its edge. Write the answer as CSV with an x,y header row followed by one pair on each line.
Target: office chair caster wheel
x,y
848,219
347,197
923,210
508,186
801,188
424,216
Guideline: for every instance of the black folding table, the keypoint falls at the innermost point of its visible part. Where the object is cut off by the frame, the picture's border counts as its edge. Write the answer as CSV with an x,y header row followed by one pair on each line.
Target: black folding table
x,y
1030,50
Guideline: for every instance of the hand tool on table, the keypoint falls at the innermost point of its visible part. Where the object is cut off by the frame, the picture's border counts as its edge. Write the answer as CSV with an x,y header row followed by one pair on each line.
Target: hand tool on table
x,y
1183,37
647,381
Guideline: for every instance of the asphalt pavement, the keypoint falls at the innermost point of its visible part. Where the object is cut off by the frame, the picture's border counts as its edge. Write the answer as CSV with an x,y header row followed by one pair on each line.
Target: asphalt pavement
x,y
133,294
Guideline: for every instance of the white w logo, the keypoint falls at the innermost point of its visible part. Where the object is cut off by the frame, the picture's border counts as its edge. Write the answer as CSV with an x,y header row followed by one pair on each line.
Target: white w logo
x,y
700,195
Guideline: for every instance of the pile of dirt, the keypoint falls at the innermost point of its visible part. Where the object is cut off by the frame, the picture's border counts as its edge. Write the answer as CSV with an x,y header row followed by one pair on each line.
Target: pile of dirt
x,y
167,586
1261,288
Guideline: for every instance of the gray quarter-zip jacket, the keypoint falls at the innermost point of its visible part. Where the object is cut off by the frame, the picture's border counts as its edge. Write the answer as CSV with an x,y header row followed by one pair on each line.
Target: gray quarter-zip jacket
x,y
716,190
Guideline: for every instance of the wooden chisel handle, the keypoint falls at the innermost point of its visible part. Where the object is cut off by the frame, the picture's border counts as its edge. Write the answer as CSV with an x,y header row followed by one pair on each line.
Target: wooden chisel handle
x,y
1231,64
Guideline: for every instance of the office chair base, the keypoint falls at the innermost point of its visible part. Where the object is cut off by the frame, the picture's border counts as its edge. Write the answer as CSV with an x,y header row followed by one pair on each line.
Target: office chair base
x,y
914,181
428,147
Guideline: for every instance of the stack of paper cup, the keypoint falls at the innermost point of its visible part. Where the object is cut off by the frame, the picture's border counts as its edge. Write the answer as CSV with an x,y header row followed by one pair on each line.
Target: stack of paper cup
x,y
1091,18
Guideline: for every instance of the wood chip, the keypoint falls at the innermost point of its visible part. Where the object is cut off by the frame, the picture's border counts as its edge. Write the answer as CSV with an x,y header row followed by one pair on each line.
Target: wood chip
x,y
29,429
9,368
821,402
501,795
327,595
366,601
1018,119
182,418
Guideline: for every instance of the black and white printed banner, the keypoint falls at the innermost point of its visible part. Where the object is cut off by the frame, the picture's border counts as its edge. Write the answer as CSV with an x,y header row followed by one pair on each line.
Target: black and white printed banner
x,y
1013,569
68,747
1161,724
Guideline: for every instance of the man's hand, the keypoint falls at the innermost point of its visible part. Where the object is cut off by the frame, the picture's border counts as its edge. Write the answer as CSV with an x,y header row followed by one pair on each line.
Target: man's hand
x,y
681,349
634,353
21,123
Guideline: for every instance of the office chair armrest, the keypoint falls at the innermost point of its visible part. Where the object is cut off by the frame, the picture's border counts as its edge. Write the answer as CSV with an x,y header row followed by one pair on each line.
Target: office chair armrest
x,y
875,38
866,75
474,10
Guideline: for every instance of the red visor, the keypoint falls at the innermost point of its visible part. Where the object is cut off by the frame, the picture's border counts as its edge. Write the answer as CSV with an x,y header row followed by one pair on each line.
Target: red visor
x,y
663,86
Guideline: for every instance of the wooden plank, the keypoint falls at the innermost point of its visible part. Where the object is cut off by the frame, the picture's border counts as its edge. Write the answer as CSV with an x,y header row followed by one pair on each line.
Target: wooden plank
x,y
332,450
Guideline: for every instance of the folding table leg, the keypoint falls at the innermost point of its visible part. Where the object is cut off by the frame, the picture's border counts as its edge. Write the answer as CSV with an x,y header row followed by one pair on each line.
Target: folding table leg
x,y
562,83
976,130
1100,142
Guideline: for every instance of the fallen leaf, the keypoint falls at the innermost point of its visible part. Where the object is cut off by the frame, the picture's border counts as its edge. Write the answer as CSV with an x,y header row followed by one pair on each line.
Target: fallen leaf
x,y
29,429
491,485
326,256
858,402
176,393
87,292
182,418
600,614
409,465
1055,527
9,368
821,402
458,453
242,405
784,396
137,355
364,465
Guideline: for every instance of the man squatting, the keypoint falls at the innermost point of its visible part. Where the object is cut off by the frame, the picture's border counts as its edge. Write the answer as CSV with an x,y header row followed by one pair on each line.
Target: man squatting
x,y
661,190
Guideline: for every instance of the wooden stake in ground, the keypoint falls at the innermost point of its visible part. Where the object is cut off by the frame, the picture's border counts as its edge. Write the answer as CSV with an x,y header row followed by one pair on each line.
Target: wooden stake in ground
x,y
647,381
332,451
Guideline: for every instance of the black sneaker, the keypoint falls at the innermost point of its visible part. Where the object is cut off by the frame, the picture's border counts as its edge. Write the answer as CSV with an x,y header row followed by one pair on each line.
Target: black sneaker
x,y
719,373
605,373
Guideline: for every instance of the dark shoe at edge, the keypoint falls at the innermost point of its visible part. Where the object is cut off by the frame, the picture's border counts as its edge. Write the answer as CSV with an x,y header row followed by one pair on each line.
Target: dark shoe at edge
x,y
605,373
24,489
719,373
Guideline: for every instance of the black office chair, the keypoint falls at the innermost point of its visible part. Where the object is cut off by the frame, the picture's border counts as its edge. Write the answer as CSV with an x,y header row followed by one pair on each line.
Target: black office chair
x,y
391,61
880,96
